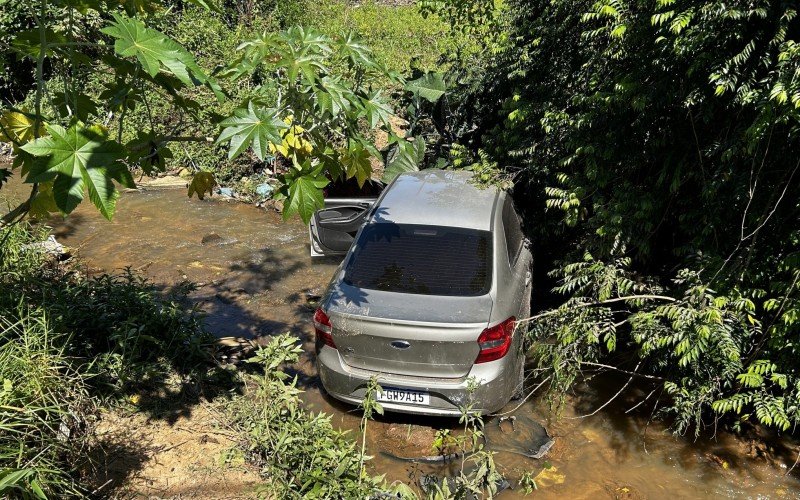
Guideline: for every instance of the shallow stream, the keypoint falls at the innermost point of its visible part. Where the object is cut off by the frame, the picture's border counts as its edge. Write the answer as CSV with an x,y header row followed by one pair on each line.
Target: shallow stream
x,y
255,276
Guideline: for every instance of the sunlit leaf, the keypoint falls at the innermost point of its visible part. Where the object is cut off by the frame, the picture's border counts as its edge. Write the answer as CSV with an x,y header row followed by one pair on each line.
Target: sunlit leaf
x,y
256,126
353,48
155,50
304,192
406,157
355,161
376,110
79,158
430,86
333,97
202,183
17,128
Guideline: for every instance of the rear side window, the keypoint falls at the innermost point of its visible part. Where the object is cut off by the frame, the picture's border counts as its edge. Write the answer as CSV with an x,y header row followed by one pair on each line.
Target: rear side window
x,y
512,229
427,260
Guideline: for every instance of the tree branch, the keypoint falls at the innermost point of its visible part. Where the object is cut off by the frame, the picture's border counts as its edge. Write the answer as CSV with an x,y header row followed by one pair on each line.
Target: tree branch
x,y
598,303
614,396
633,373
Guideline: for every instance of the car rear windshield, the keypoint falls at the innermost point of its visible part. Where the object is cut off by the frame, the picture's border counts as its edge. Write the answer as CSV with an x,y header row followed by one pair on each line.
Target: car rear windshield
x,y
427,260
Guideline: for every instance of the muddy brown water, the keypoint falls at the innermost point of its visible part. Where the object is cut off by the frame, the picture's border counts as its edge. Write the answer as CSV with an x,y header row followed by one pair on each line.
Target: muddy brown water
x,y
255,277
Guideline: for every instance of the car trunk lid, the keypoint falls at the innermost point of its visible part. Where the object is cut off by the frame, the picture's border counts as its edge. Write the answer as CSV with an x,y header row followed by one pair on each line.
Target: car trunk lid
x,y
415,335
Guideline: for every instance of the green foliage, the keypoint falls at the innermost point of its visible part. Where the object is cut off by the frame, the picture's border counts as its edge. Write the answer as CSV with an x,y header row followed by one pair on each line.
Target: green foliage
x,y
321,122
154,51
139,71
696,343
407,156
75,159
120,322
481,479
251,127
430,86
300,452
44,403
63,152
658,136
400,37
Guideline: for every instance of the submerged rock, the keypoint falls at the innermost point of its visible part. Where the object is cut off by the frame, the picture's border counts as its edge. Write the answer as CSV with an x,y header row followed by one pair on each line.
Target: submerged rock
x,y
211,238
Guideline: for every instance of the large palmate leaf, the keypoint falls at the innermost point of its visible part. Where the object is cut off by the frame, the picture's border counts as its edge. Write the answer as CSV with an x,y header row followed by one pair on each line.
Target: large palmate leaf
x,y
355,162
154,49
429,86
333,96
405,158
303,191
256,126
79,158
376,109
353,48
302,52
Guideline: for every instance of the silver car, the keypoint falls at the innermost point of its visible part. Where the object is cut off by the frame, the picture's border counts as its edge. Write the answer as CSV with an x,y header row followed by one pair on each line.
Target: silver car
x,y
436,273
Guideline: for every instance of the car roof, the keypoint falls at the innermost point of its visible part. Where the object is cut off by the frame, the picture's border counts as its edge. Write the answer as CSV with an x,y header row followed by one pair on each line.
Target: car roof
x,y
437,198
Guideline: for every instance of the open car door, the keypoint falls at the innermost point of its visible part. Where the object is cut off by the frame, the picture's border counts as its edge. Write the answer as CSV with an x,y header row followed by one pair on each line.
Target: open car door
x,y
333,228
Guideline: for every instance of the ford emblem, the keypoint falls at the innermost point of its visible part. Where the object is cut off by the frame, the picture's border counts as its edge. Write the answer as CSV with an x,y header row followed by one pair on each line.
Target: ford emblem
x,y
400,344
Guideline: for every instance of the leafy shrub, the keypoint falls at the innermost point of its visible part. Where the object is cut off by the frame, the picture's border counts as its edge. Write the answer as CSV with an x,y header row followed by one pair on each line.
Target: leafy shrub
x,y
660,138
300,453
66,341
123,323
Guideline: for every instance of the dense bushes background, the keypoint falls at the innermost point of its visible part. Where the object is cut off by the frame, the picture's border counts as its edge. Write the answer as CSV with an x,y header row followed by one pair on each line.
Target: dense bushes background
x,y
659,145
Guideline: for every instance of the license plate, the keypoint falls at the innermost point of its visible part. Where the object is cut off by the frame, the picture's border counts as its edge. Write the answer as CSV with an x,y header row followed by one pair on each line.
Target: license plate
x,y
404,396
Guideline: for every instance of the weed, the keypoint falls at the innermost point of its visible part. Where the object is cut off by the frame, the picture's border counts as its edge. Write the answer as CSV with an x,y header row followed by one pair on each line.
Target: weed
x,y
299,452
44,409
481,479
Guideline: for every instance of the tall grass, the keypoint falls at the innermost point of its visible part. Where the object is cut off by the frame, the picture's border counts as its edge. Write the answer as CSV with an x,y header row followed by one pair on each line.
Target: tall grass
x,y
44,404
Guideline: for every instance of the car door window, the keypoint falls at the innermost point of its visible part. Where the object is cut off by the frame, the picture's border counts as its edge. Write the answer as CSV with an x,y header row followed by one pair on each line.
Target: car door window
x,y
513,231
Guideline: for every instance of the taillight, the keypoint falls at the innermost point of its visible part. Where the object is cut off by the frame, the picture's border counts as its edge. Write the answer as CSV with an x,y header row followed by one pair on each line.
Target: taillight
x,y
322,328
495,341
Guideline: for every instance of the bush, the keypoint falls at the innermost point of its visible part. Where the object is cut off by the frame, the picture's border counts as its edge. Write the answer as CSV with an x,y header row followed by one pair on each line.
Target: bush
x,y
123,323
658,141
299,452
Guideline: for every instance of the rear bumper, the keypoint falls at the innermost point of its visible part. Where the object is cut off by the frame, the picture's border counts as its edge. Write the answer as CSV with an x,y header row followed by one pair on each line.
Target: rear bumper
x,y
497,381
